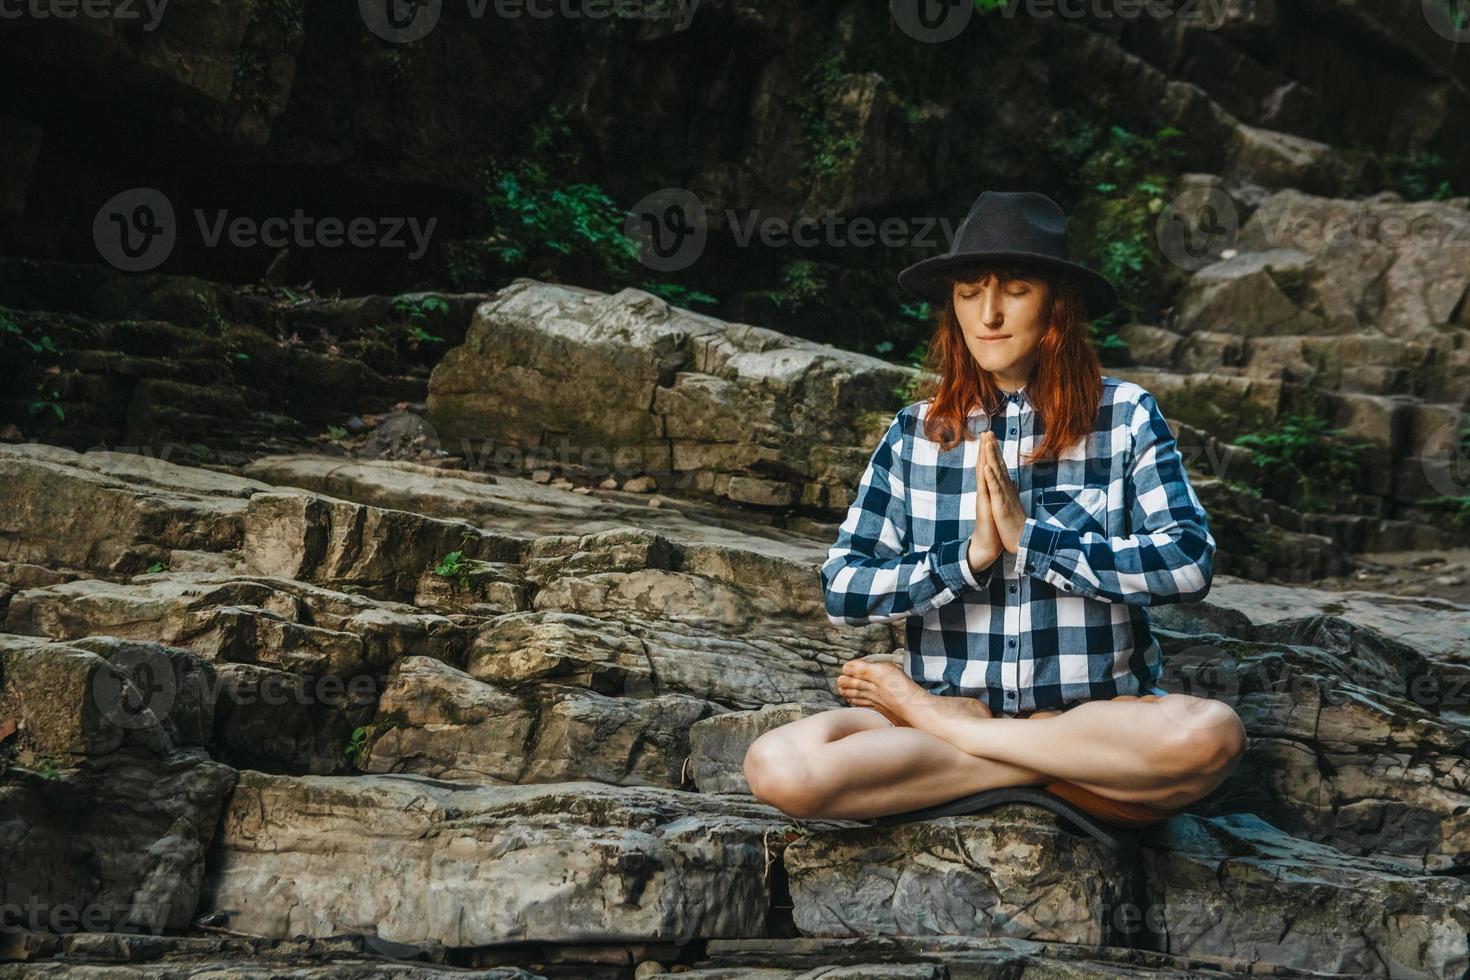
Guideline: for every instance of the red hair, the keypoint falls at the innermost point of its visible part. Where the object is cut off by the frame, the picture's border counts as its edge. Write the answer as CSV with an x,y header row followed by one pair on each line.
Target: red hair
x,y
1065,385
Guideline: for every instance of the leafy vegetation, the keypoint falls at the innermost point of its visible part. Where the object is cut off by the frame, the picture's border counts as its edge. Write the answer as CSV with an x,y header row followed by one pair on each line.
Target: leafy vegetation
x,y
454,566
828,146
801,283
416,314
17,343
358,743
1123,178
678,295
1304,462
539,221
1421,176
909,390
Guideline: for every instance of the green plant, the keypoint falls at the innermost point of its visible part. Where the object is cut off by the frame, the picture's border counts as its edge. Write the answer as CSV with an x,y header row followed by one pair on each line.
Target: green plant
x,y
17,343
41,405
535,218
12,332
454,567
920,312
1419,176
1120,179
415,315
336,432
47,767
677,295
542,225
801,282
1303,460
157,567
1455,509
908,391
828,146
1105,339
357,744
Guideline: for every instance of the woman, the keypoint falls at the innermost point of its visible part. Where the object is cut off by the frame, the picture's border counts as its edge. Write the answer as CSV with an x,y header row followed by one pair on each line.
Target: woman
x,y
1018,522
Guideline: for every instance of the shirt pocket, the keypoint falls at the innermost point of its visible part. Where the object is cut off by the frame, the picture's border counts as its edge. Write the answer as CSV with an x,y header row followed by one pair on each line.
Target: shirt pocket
x,y
1084,509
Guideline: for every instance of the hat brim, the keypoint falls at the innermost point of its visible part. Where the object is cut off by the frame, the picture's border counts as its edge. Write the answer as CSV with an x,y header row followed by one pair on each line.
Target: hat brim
x,y
928,278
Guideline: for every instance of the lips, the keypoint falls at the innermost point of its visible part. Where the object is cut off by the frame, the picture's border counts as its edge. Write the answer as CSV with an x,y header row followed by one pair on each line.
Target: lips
x,y
995,339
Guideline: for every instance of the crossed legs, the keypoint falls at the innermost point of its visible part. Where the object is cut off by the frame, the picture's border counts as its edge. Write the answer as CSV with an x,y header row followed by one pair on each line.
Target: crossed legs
x,y
849,763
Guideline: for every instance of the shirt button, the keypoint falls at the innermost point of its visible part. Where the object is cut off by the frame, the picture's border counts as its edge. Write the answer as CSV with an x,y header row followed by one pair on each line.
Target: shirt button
x,y
1010,695
1013,430
1067,587
1013,590
1011,642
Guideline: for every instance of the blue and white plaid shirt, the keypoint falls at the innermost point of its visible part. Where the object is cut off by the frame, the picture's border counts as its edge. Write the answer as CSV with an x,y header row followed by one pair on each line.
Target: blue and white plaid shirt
x,y
1114,526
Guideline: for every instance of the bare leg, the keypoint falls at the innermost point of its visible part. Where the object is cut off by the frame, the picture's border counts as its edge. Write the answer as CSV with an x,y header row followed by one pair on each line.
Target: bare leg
x,y
1168,751
850,764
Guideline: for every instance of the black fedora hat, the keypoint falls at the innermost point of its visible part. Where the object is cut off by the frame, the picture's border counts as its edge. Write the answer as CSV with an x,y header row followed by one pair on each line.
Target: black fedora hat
x,y
1016,226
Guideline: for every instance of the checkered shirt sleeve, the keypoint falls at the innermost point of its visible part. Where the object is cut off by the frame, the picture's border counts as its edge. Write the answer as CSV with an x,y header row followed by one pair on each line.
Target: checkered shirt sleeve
x,y
870,574
1168,557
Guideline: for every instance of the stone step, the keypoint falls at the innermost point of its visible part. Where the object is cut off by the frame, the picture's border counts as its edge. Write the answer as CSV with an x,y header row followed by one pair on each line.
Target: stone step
x,y
411,859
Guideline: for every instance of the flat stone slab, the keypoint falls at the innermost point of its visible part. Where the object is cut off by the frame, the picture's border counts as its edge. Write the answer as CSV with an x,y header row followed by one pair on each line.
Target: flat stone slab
x,y
417,860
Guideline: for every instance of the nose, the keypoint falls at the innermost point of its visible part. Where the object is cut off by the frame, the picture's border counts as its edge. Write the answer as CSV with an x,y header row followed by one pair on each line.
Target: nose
x,y
990,306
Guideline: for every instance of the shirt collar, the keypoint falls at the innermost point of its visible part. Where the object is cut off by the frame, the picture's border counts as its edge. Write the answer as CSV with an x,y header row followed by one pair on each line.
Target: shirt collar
x,y
1017,397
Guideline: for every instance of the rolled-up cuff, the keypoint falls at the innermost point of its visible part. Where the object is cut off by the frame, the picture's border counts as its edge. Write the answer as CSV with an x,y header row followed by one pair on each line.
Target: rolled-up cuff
x,y
1038,544
952,565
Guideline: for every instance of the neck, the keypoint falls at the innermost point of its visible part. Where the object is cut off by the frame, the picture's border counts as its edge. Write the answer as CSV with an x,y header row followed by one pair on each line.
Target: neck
x,y
1011,382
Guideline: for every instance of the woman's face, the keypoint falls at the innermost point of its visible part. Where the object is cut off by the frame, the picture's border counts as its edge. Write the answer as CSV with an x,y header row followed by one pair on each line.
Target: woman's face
x,y
1003,325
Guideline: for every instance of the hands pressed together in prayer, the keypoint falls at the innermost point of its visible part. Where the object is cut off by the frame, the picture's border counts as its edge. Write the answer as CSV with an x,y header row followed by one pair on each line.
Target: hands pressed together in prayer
x,y
999,517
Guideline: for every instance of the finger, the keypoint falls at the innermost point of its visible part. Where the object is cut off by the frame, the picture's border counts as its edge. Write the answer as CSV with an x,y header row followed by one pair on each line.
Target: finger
x,y
999,457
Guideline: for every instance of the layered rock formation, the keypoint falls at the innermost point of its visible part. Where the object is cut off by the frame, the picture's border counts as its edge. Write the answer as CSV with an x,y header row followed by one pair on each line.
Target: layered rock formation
x,y
538,756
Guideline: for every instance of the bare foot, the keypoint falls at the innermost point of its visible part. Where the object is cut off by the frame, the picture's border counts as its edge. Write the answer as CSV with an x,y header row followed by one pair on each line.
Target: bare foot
x,y
883,686
856,689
